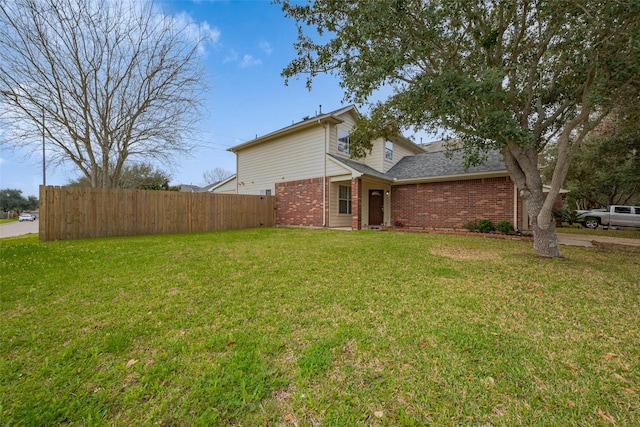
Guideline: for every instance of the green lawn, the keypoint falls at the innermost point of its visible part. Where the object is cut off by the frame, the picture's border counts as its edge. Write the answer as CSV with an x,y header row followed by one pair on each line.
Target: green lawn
x,y
288,327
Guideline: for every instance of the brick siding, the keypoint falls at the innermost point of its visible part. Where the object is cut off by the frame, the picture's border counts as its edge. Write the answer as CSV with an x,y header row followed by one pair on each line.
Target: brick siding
x,y
300,202
452,204
356,204
428,205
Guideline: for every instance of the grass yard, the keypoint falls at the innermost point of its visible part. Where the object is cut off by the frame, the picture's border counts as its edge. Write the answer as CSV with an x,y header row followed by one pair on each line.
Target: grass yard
x,y
287,327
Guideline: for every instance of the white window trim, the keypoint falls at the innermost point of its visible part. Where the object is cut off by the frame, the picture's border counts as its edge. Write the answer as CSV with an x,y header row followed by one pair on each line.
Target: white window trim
x,y
348,144
348,200
388,152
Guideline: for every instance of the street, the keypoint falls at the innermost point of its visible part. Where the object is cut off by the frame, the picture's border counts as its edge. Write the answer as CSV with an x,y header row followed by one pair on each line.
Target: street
x,y
18,228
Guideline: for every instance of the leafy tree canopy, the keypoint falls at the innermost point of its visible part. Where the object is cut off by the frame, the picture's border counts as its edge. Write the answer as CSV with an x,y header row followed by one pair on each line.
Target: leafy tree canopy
x,y
606,168
143,176
13,200
511,75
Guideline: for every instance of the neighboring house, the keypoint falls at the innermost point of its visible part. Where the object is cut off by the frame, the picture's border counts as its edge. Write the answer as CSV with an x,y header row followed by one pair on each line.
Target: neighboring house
x,y
307,166
188,188
226,186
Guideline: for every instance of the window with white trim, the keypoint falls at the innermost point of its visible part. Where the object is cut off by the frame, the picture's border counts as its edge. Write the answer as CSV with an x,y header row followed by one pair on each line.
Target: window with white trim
x,y
388,150
344,199
344,145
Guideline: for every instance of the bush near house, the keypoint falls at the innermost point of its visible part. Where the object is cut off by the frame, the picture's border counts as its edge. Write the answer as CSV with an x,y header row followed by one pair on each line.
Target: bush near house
x,y
472,225
485,226
504,227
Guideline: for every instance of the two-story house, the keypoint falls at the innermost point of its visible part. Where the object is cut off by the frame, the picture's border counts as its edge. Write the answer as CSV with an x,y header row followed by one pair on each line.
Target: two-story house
x,y
308,167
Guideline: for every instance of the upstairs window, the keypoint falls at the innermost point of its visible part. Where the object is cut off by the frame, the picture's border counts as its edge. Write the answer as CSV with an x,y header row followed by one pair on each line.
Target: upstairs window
x,y
344,145
344,199
388,150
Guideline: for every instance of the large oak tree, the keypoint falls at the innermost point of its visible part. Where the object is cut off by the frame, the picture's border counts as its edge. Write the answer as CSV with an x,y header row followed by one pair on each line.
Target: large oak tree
x,y
511,75
110,81
605,169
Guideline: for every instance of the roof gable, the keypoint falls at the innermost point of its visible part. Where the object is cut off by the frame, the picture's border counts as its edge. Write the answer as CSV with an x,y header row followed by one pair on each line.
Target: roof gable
x,y
308,122
222,183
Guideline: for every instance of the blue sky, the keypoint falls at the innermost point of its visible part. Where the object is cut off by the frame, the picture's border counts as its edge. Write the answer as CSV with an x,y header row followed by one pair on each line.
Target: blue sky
x,y
252,42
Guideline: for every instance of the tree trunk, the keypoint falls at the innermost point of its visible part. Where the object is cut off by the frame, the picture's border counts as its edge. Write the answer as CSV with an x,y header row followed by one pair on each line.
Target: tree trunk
x,y
523,169
545,239
545,242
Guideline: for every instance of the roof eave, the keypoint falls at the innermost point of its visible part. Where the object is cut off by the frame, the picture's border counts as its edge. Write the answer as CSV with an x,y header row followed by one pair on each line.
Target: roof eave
x,y
416,148
354,173
319,120
223,182
456,177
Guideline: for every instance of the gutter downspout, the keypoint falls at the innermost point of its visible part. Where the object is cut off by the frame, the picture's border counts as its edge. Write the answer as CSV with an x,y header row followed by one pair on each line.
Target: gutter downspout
x,y
515,206
324,176
237,174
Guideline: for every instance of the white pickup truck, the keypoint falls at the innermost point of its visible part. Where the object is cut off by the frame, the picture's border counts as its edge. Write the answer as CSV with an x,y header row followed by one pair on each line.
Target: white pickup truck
x,y
615,216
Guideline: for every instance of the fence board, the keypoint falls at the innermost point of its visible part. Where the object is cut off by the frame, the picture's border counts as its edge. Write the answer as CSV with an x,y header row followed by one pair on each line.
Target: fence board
x,y
80,212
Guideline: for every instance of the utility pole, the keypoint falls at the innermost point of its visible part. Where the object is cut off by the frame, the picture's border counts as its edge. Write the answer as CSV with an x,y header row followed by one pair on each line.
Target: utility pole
x,y
44,164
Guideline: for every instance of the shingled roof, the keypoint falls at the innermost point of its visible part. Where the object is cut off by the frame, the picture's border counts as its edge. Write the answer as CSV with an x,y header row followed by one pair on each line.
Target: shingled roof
x,y
443,163
360,167
429,165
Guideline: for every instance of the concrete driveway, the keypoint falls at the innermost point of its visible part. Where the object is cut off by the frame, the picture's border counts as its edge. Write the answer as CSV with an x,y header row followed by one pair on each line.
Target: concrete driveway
x,y
585,240
16,228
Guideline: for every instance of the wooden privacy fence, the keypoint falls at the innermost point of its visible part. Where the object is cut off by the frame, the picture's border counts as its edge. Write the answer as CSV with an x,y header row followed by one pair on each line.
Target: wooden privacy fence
x,y
79,212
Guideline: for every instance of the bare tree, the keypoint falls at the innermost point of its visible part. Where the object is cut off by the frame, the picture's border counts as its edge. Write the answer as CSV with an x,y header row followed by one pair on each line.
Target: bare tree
x,y
216,175
106,81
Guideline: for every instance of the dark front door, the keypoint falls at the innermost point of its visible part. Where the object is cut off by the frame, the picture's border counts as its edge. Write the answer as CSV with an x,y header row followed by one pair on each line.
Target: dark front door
x,y
376,207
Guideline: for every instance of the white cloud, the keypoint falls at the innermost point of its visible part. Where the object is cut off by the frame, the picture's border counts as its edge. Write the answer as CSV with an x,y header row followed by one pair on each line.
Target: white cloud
x,y
232,56
213,34
246,61
1,160
190,28
199,32
266,47
249,61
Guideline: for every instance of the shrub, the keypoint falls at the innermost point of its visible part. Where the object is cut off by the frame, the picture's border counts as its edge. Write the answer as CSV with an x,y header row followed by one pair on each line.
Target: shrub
x,y
503,226
485,226
472,225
